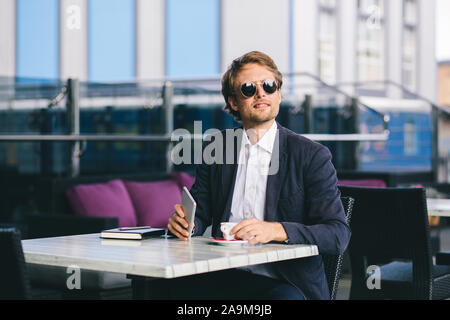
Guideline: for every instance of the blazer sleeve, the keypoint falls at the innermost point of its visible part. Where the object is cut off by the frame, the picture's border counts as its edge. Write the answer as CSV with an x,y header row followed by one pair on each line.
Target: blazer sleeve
x,y
326,224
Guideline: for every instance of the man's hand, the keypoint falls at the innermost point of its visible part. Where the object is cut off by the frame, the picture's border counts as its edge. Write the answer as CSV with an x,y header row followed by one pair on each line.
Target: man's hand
x,y
256,231
178,224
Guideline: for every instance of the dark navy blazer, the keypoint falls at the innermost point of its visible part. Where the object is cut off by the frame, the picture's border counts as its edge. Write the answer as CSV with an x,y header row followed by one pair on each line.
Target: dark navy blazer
x,y
302,196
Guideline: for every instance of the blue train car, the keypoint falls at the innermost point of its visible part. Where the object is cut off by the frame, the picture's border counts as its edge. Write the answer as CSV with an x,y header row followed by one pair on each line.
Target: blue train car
x,y
409,146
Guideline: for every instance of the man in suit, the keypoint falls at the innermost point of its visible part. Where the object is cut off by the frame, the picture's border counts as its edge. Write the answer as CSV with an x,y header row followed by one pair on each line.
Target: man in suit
x,y
280,187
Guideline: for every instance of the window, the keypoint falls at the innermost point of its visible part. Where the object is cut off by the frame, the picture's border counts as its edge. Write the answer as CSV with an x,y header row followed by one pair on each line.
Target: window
x,y
410,137
192,31
111,37
370,49
37,39
409,55
327,41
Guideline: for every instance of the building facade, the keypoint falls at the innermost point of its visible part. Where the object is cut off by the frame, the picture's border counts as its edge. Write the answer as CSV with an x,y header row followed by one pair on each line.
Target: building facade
x,y
380,52
345,42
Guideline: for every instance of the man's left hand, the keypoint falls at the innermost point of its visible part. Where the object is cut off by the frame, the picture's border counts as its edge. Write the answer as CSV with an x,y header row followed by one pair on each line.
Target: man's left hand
x,y
257,231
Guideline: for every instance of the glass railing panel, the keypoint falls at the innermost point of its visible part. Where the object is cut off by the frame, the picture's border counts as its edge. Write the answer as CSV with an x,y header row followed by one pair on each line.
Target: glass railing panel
x,y
140,109
24,110
127,109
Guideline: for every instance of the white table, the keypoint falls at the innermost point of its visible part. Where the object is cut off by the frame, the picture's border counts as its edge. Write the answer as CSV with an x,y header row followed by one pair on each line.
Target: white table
x,y
438,207
156,257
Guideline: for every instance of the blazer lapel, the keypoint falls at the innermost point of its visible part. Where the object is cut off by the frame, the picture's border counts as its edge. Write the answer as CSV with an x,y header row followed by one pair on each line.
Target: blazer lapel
x,y
277,173
229,170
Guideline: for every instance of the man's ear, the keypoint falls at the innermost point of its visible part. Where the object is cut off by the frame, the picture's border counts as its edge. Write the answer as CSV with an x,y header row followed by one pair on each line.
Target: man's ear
x,y
232,103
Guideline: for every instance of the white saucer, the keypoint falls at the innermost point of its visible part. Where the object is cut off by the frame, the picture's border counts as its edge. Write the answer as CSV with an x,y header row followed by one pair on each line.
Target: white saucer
x,y
224,242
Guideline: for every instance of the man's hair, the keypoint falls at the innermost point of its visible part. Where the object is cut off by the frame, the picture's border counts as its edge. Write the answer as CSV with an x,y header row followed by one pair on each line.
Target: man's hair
x,y
228,79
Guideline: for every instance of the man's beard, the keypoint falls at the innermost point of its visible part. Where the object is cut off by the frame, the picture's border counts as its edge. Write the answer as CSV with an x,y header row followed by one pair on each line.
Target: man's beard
x,y
264,118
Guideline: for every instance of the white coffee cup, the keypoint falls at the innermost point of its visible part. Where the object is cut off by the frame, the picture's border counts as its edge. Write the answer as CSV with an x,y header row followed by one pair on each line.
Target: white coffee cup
x,y
226,227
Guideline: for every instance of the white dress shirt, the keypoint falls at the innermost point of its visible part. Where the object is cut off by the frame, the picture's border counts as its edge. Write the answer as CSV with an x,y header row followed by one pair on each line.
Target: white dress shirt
x,y
249,196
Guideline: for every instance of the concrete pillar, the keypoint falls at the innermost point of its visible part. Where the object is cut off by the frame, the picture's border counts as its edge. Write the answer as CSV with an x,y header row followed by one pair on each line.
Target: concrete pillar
x,y
427,67
394,47
305,36
346,44
261,25
7,38
150,39
73,39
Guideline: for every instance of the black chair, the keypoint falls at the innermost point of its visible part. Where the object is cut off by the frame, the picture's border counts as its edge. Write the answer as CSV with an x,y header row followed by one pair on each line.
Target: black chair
x,y
13,272
333,263
14,275
390,232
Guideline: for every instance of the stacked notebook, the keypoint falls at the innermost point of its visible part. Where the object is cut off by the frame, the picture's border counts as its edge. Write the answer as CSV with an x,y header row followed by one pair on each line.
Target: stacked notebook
x,y
133,233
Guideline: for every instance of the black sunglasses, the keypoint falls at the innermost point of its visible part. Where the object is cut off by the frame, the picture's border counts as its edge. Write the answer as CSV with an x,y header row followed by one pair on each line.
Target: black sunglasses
x,y
248,89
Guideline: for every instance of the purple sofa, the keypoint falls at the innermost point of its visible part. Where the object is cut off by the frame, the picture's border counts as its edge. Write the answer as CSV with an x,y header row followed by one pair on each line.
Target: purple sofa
x,y
90,204
134,203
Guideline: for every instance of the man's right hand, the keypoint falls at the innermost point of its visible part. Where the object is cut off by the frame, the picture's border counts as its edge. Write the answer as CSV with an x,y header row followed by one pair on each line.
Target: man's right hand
x,y
178,225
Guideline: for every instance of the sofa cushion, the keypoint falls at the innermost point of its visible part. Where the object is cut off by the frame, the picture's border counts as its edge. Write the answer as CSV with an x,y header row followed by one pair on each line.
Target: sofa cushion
x,y
154,201
109,199
374,183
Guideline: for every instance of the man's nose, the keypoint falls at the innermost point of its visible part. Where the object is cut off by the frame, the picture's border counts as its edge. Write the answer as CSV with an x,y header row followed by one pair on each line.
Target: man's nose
x,y
259,90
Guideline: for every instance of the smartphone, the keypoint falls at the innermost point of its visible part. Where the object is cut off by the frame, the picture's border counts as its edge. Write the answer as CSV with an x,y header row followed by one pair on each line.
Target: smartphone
x,y
189,206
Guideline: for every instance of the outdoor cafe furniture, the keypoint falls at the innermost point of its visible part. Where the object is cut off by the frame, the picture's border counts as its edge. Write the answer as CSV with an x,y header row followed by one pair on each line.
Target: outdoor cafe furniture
x,y
390,251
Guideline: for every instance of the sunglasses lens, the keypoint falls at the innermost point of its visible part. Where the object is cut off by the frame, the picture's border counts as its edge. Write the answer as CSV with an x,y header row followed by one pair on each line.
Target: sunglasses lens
x,y
248,89
270,86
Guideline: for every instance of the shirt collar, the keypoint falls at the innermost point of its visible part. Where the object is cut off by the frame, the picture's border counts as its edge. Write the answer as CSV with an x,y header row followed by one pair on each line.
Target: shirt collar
x,y
267,140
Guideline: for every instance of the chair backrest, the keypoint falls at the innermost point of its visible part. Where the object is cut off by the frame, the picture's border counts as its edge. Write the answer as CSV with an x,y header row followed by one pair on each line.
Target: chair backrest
x,y
333,263
13,277
389,224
